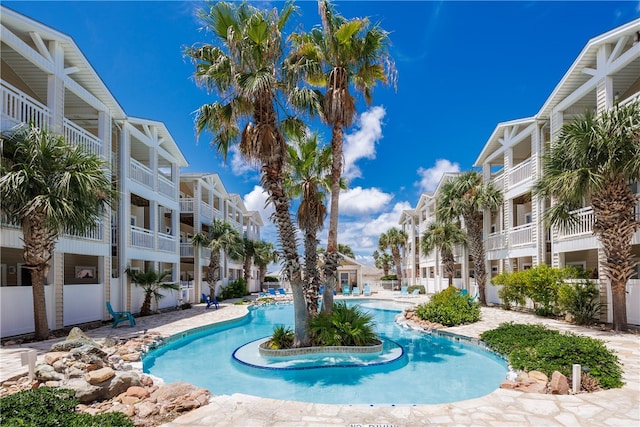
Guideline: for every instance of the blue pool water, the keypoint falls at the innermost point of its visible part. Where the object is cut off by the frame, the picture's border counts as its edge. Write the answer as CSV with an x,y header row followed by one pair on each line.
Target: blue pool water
x,y
431,369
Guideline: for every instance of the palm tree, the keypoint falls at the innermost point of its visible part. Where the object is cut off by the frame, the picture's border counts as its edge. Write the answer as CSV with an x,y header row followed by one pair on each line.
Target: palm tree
x,y
248,254
244,68
467,196
346,250
341,53
383,260
49,188
394,239
222,238
594,159
152,283
265,253
308,178
444,236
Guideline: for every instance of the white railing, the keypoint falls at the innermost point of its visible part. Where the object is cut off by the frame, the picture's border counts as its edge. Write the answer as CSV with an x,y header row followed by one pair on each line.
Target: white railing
x,y
140,173
205,253
186,250
584,224
76,136
498,180
521,235
166,187
94,233
630,100
496,241
205,211
141,237
166,242
17,107
186,205
520,173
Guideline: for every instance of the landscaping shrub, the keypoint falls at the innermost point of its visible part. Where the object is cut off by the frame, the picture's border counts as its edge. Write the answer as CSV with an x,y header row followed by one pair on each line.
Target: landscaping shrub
x,y
542,284
513,289
389,277
346,326
581,300
534,347
235,289
271,279
282,337
449,308
52,407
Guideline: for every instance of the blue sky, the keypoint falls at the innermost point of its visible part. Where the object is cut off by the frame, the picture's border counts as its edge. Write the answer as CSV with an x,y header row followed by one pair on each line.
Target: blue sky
x,y
463,67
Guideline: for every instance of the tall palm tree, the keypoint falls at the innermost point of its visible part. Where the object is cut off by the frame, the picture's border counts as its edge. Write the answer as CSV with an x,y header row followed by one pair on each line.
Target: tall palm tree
x,y
248,255
243,67
308,178
444,236
346,250
222,238
341,54
394,239
594,159
49,187
152,283
466,196
383,261
265,253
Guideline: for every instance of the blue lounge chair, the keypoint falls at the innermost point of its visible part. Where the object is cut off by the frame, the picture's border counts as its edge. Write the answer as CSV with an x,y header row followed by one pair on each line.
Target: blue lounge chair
x,y
272,292
346,290
120,316
403,291
355,292
464,292
366,290
415,292
210,301
282,292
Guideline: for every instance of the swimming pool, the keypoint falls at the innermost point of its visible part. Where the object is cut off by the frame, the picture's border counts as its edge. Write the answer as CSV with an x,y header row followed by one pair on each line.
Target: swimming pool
x,y
432,369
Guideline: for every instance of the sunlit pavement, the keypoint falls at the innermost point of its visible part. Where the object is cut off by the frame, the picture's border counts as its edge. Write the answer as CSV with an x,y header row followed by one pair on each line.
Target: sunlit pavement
x,y
618,407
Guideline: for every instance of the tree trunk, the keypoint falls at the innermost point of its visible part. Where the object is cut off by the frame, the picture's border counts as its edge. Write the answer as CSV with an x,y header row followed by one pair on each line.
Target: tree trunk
x,y
397,260
213,272
145,310
332,259
449,265
473,223
39,305
312,277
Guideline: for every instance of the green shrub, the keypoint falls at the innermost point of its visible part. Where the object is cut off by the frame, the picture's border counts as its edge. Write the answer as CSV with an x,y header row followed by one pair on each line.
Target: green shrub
x,y
52,407
581,300
389,277
271,279
513,289
542,284
449,308
185,306
235,289
282,337
534,347
410,289
346,326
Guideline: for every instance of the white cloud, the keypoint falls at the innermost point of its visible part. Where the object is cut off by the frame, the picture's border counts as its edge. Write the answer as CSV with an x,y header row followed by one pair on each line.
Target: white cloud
x,y
429,178
256,201
362,143
239,166
359,201
385,221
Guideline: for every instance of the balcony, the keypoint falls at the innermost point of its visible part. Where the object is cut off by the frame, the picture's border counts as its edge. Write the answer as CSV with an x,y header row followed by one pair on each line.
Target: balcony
x,y
141,238
496,241
206,213
186,250
186,205
520,173
75,135
167,243
166,187
583,226
498,180
94,233
521,235
140,173
18,107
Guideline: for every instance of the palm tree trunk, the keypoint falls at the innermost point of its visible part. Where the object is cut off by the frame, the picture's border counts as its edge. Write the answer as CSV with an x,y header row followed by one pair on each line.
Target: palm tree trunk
x,y
145,310
473,222
312,278
39,305
449,265
213,272
395,252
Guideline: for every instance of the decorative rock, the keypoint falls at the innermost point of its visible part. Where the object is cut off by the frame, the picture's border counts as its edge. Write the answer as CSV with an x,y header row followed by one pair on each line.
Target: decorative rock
x,y
46,372
539,376
121,383
71,344
76,334
51,357
85,392
509,385
173,391
137,391
559,383
146,380
146,409
130,400
100,375
131,357
533,387
522,376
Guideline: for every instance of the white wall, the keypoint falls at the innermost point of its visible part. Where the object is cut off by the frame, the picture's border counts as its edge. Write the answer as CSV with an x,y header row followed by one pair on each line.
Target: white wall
x,y
83,303
16,314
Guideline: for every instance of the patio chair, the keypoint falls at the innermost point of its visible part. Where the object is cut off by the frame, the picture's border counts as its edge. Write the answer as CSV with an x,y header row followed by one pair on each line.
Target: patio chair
x,y
415,293
355,292
346,290
282,292
367,290
403,291
272,292
210,301
120,316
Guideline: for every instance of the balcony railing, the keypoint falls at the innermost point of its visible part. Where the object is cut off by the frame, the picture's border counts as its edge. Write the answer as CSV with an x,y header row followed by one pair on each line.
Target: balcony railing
x,y
75,135
521,235
496,241
186,205
498,180
94,233
205,211
17,107
140,173
520,173
141,237
166,242
166,187
187,250
584,224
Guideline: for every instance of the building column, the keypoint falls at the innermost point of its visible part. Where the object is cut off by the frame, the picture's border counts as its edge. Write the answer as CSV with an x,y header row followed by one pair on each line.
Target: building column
x,y
55,88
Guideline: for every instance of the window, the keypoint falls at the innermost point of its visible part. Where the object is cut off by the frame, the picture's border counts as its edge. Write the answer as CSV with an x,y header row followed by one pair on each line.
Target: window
x,y
528,218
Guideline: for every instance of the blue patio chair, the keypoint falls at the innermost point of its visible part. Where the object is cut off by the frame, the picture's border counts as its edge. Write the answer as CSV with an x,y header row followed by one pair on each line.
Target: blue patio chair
x,y
415,292
403,291
282,292
210,301
272,292
346,290
120,316
355,292
367,290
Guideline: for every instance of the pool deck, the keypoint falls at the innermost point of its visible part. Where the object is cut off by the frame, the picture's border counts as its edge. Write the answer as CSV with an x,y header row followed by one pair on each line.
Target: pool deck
x,y
618,407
